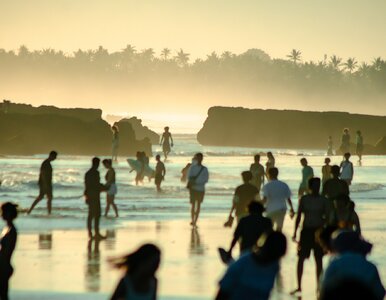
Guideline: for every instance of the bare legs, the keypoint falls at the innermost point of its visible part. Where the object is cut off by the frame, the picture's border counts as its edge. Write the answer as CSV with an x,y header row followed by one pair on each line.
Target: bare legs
x,y
110,202
38,199
319,270
195,212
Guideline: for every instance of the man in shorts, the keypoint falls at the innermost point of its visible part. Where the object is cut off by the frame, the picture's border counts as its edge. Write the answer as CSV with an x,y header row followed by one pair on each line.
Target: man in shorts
x,y
45,182
307,174
160,172
314,208
276,194
198,176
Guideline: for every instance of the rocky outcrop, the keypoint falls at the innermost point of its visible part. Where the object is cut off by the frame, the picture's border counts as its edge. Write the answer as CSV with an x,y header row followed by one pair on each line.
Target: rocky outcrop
x,y
290,129
142,131
68,131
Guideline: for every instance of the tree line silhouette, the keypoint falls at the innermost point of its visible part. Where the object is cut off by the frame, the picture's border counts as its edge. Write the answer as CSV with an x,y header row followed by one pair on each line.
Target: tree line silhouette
x,y
251,70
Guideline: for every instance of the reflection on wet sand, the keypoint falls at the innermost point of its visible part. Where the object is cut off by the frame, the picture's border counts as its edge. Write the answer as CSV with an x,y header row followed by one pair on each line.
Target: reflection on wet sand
x,y
110,239
45,241
92,274
196,248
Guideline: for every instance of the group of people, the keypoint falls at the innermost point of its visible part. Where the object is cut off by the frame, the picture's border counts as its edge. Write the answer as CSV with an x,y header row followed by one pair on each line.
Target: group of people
x,y
345,144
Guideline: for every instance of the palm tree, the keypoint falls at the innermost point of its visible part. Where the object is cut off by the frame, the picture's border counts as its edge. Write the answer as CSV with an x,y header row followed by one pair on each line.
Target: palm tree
x,y
378,63
148,54
350,64
227,55
182,58
295,55
363,69
165,53
335,62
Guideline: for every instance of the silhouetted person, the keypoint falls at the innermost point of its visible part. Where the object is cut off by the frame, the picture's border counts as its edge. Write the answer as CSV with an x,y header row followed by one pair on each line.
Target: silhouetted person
x,y
166,142
253,275
139,168
345,141
115,142
344,215
160,172
257,170
93,188
326,170
347,169
335,186
45,182
276,195
330,146
314,209
110,187
7,246
250,228
198,176
140,281
350,263
307,174
243,195
270,163
359,145
184,172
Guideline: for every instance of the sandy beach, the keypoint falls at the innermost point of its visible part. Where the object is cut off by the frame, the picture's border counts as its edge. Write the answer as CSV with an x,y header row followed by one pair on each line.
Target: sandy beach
x,y
62,264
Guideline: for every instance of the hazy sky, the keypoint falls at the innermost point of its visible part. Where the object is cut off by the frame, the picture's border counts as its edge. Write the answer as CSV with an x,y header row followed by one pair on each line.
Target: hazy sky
x,y
348,28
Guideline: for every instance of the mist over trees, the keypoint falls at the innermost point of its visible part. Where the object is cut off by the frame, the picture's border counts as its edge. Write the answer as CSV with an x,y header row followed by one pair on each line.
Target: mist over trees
x,y
253,72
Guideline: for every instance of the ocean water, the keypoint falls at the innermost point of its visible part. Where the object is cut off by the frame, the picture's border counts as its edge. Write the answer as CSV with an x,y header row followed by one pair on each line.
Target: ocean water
x,y
19,184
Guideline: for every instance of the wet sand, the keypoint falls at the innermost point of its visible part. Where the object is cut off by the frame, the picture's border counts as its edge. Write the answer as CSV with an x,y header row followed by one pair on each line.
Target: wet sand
x,y
63,264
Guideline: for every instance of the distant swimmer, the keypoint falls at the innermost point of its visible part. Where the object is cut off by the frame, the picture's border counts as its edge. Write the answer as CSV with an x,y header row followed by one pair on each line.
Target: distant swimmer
x,y
307,174
359,145
270,163
160,172
326,170
92,194
139,281
257,170
345,141
184,172
110,186
115,142
198,176
166,142
45,182
347,169
7,246
276,195
330,146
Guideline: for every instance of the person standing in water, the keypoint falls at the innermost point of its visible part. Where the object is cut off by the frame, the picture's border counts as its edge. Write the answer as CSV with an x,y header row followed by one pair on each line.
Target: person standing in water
x,y
347,169
115,142
345,141
359,145
160,172
93,188
257,171
198,176
269,164
110,186
166,142
330,150
326,170
7,246
314,209
45,182
307,174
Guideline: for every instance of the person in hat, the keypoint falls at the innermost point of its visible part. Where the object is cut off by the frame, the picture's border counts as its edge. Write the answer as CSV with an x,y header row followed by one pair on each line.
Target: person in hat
x,y
350,263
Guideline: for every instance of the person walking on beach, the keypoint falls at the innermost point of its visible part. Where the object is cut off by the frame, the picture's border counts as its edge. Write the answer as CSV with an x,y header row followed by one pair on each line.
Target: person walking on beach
x,y
359,145
330,150
253,275
160,172
269,164
335,186
243,195
139,281
344,215
45,183
314,209
110,187
258,174
326,170
345,141
198,176
347,169
7,246
276,194
166,142
184,172
115,142
250,228
307,174
93,188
